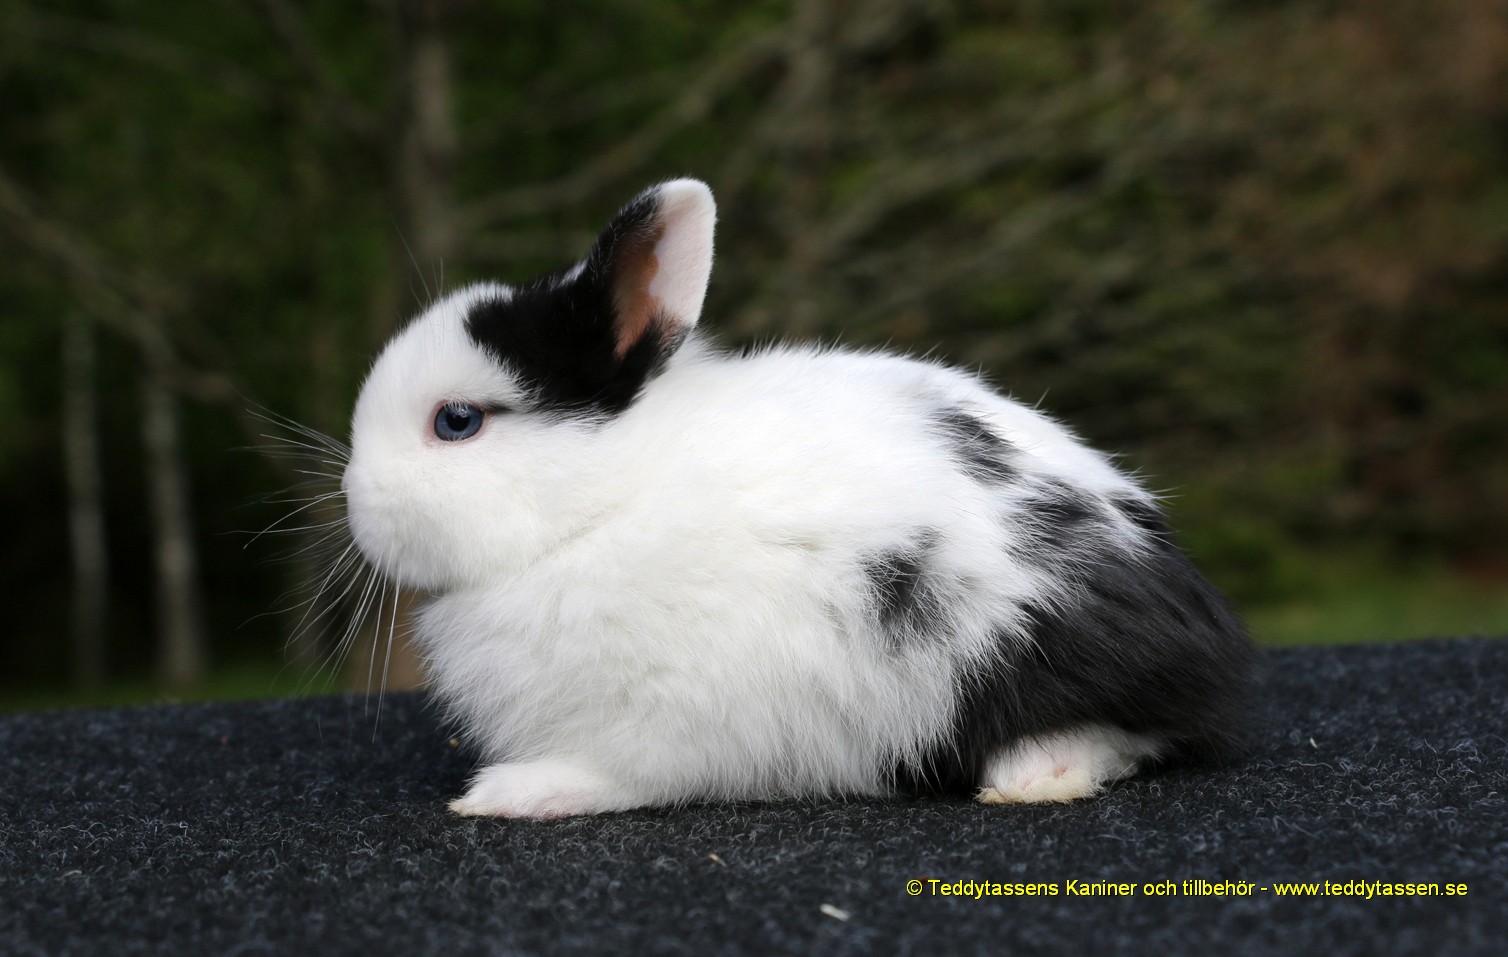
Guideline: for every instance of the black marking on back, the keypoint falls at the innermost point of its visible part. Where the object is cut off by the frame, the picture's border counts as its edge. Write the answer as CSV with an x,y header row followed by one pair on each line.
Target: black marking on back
x,y
1056,519
978,450
1145,516
906,596
558,336
1138,639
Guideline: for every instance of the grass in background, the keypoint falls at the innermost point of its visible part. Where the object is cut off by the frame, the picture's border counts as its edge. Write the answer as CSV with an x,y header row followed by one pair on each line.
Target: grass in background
x,y
242,681
1353,607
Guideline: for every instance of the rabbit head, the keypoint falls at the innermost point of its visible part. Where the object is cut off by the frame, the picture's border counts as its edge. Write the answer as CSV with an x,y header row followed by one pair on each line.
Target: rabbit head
x,y
472,439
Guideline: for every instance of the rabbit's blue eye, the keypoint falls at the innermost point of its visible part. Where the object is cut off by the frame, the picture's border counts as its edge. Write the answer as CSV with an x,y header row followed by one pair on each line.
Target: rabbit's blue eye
x,y
456,421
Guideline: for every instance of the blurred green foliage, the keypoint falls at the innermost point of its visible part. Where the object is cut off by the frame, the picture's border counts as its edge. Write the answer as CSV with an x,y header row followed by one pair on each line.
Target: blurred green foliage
x,y
1260,249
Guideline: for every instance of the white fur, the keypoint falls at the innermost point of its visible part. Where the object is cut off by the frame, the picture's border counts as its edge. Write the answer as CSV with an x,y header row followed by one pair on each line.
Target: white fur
x,y
670,604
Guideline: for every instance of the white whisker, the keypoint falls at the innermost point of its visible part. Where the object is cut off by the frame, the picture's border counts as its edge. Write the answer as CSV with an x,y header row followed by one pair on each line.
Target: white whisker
x,y
275,526
343,584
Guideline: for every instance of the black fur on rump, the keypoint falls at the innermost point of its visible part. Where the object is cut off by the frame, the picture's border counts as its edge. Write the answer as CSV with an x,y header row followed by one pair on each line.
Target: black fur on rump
x,y
559,336
979,452
1142,642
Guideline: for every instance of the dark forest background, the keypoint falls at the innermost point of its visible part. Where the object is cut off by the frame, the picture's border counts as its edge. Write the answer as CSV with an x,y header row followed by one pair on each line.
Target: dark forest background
x,y
1258,248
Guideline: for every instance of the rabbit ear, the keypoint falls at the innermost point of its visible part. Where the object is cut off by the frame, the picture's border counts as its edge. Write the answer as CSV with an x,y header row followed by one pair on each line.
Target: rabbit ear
x,y
655,257
591,337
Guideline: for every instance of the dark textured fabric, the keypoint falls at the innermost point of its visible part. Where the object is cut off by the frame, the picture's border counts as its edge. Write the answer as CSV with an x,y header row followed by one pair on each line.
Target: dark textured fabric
x,y
303,827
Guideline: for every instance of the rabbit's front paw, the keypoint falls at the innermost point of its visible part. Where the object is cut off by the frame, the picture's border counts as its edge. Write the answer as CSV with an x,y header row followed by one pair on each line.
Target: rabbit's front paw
x,y
539,789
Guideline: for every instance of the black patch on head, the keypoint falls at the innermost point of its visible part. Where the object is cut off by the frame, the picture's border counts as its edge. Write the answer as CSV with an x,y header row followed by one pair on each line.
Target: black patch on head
x,y
979,452
906,596
1139,640
559,336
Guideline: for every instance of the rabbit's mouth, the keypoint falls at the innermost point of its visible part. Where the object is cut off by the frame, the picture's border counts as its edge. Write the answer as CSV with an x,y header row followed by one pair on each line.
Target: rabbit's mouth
x,y
382,546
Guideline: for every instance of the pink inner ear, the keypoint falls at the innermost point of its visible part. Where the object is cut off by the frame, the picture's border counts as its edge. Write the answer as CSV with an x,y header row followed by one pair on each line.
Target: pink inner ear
x,y
633,272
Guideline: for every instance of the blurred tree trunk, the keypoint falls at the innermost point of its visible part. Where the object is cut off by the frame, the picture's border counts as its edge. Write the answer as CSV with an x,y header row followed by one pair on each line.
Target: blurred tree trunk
x,y
86,511
422,182
417,139
136,308
182,660
425,136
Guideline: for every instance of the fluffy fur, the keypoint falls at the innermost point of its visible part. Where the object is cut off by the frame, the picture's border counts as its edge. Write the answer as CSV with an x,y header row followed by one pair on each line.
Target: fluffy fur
x,y
662,573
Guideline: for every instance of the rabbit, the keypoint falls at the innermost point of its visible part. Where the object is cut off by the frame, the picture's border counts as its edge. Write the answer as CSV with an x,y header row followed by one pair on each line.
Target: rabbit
x,y
660,573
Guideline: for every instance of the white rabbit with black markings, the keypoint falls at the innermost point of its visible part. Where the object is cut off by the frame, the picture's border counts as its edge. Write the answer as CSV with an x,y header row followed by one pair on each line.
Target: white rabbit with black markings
x,y
661,573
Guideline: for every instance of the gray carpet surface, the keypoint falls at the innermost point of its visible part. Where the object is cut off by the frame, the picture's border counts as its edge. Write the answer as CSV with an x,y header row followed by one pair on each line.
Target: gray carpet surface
x,y
308,826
